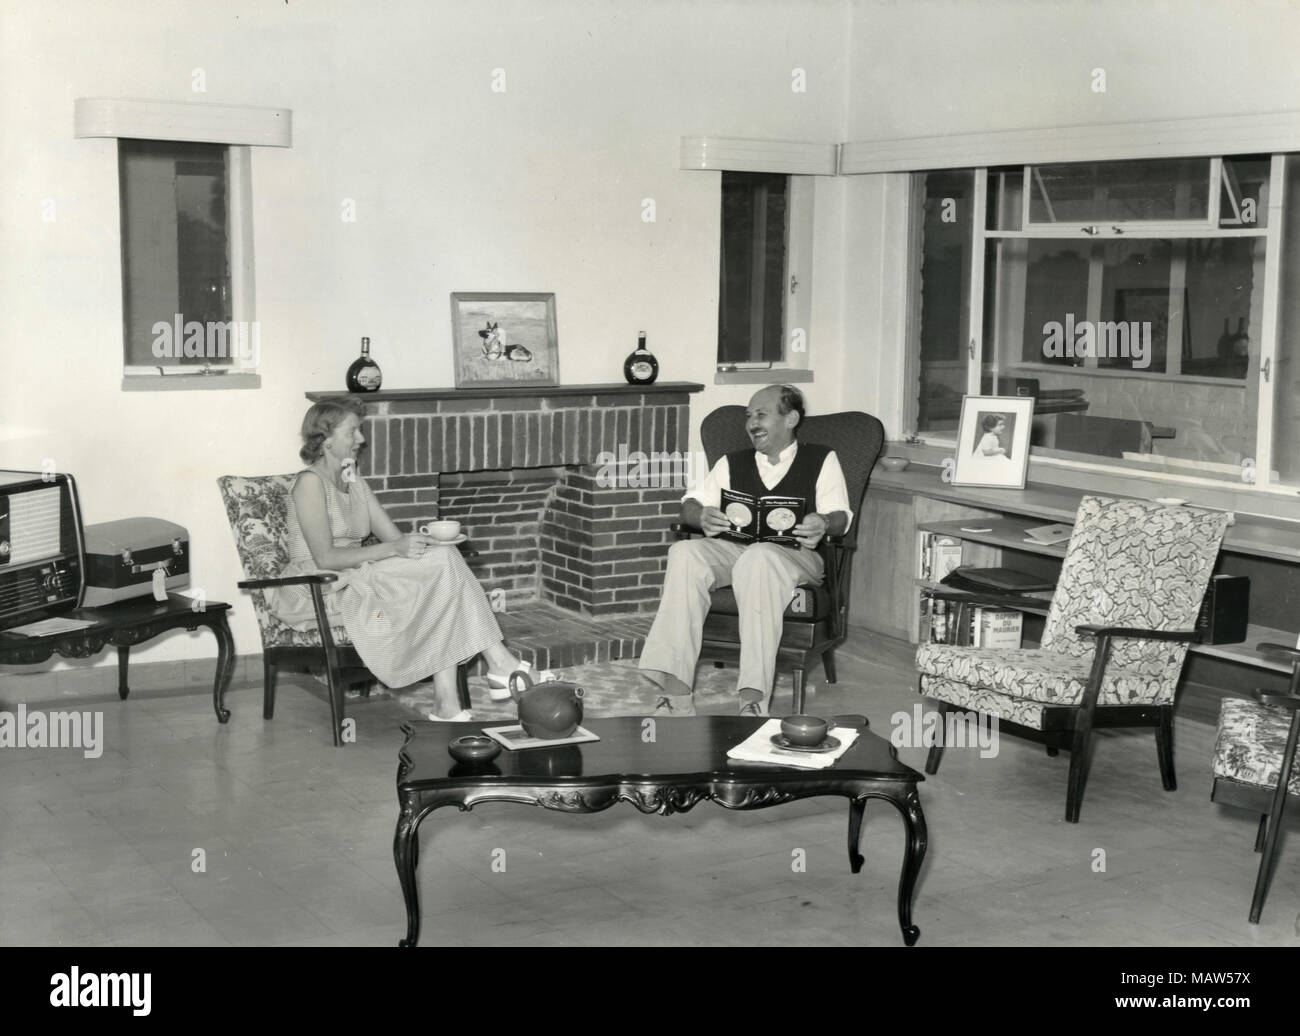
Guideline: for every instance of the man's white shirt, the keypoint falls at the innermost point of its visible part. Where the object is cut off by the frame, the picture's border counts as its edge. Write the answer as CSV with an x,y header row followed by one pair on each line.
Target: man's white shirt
x,y
832,493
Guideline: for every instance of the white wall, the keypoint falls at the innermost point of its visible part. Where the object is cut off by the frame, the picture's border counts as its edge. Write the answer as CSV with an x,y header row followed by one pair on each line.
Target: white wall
x,y
456,187
931,67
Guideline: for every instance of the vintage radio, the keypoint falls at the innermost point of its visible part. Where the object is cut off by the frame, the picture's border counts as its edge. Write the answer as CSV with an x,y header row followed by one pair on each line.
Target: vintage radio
x,y
135,557
42,559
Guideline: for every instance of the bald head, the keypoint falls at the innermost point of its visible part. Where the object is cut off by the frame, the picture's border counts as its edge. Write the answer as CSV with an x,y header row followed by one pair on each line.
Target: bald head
x,y
772,417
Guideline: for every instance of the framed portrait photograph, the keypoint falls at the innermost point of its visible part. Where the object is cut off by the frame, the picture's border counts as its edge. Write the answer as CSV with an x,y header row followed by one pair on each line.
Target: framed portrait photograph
x,y
993,441
504,338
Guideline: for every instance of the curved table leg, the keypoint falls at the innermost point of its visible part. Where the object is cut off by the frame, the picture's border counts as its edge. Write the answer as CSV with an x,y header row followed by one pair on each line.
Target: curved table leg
x,y
914,853
123,658
405,855
225,665
856,807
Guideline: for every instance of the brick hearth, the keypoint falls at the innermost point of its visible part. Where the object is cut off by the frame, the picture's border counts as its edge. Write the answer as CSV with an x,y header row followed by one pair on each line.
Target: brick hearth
x,y
518,468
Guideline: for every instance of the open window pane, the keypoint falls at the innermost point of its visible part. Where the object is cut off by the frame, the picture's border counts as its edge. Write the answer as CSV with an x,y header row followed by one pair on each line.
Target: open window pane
x,y
752,284
175,253
1285,375
1120,192
945,297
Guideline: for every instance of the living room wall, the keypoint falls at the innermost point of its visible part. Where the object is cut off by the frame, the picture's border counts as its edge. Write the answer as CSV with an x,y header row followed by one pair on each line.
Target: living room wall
x,y
933,67
456,187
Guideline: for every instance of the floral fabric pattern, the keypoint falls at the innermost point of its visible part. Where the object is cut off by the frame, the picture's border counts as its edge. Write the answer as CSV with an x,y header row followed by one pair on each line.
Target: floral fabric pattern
x,y
1129,563
258,511
1249,744
1045,676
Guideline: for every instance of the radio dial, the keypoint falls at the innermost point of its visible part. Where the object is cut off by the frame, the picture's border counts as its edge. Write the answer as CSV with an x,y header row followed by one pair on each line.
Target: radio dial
x,y
55,581
4,548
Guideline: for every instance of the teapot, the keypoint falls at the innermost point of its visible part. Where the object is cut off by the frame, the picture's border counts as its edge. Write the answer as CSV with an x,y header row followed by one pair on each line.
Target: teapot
x,y
547,710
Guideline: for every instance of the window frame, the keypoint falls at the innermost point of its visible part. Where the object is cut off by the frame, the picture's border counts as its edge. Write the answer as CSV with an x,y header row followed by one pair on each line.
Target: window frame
x,y
1267,388
240,128
796,299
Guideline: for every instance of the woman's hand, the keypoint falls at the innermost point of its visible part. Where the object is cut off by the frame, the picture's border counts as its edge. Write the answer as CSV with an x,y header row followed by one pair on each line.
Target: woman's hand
x,y
412,545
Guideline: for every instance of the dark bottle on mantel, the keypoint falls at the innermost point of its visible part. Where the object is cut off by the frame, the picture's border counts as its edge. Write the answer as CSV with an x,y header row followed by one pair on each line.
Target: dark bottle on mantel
x,y
364,375
641,367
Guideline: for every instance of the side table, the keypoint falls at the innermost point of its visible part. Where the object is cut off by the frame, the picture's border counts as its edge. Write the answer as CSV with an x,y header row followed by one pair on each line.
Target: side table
x,y
127,623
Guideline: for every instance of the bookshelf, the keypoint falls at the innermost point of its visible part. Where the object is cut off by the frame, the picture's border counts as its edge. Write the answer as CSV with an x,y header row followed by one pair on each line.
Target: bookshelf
x,y
1009,534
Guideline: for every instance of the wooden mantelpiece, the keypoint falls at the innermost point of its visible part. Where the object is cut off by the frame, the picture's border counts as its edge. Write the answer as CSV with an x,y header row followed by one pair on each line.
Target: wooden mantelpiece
x,y
517,392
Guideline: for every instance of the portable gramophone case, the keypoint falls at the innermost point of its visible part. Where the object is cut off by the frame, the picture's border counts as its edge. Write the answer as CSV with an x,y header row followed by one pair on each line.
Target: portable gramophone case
x,y
123,558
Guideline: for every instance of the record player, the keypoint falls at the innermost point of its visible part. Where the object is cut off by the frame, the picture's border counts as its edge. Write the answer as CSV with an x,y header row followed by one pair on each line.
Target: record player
x,y
135,557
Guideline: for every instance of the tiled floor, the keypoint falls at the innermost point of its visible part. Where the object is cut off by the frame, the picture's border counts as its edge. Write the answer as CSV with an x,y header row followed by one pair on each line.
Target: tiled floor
x,y
294,840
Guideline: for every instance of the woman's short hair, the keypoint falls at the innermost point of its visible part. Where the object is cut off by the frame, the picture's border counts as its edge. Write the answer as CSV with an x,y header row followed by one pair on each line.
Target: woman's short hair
x,y
320,422
991,421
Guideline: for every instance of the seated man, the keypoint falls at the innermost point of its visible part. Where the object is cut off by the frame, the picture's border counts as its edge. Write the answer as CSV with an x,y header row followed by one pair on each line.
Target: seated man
x,y
762,575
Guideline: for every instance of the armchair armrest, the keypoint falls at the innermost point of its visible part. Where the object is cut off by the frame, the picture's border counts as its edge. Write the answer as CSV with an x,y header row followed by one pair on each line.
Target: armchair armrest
x,y
1281,652
1190,636
1290,702
1013,601
318,578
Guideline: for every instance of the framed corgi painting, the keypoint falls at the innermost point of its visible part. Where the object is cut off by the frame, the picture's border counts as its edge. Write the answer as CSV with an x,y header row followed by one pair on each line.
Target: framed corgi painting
x,y
504,338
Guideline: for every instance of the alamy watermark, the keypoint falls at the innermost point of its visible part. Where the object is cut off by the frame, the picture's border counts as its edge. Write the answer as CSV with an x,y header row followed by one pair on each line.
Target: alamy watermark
x,y
952,729
37,729
1104,339
635,469
237,340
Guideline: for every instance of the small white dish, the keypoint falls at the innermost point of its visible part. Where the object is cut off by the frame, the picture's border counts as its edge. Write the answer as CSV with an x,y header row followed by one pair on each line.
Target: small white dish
x,y
1171,501
449,543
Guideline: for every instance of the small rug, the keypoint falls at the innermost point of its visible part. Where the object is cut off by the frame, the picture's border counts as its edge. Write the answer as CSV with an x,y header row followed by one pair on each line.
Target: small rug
x,y
609,689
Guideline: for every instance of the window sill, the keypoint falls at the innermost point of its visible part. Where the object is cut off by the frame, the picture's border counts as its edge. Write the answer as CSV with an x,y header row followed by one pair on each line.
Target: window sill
x,y
189,382
767,376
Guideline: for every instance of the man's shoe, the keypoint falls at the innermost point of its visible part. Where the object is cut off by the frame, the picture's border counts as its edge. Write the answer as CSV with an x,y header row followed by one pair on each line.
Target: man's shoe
x,y
672,706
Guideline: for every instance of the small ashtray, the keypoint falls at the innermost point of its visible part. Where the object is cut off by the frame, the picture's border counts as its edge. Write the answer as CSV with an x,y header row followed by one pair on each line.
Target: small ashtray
x,y
473,748
894,463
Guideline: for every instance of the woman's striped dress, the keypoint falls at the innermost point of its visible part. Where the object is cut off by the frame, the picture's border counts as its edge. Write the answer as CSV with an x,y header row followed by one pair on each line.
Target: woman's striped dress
x,y
407,617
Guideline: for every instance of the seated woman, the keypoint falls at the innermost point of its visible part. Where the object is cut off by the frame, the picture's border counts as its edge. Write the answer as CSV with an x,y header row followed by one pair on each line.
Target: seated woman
x,y
411,606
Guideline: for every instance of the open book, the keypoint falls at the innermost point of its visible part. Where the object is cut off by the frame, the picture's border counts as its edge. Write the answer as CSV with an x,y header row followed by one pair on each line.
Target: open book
x,y
765,518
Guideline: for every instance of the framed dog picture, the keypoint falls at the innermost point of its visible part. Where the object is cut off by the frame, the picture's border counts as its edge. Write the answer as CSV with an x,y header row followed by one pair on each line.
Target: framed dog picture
x,y
504,338
993,441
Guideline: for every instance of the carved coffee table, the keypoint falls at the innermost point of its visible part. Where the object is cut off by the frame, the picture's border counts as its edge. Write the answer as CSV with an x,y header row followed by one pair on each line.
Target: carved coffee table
x,y
685,764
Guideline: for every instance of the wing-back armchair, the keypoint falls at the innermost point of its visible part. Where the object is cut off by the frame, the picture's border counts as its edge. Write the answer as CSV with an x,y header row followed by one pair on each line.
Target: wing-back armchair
x,y
816,620
258,510
1254,762
1117,633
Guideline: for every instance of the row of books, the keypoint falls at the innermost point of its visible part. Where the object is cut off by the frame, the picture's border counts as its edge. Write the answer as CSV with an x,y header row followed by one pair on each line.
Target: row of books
x,y
954,622
937,555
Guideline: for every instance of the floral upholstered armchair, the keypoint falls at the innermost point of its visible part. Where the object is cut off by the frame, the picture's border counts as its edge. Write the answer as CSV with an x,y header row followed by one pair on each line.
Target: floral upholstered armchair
x,y
1121,619
1254,762
258,510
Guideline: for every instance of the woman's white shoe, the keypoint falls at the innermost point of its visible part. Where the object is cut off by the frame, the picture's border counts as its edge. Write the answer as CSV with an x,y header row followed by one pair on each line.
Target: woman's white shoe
x,y
463,716
499,685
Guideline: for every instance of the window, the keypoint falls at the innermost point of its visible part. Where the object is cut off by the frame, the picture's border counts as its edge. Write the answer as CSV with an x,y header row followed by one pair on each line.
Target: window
x,y
1137,301
764,287
178,303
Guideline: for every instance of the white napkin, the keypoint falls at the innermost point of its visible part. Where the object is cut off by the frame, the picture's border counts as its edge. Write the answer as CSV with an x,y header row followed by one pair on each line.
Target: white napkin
x,y
758,748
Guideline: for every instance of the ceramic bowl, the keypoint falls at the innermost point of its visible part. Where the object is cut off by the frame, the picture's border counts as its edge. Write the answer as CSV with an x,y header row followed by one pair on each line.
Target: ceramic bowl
x,y
445,530
473,748
894,463
804,730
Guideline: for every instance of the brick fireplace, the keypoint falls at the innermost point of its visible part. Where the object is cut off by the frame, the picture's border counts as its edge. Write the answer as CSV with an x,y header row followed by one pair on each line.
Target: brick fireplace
x,y
518,468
